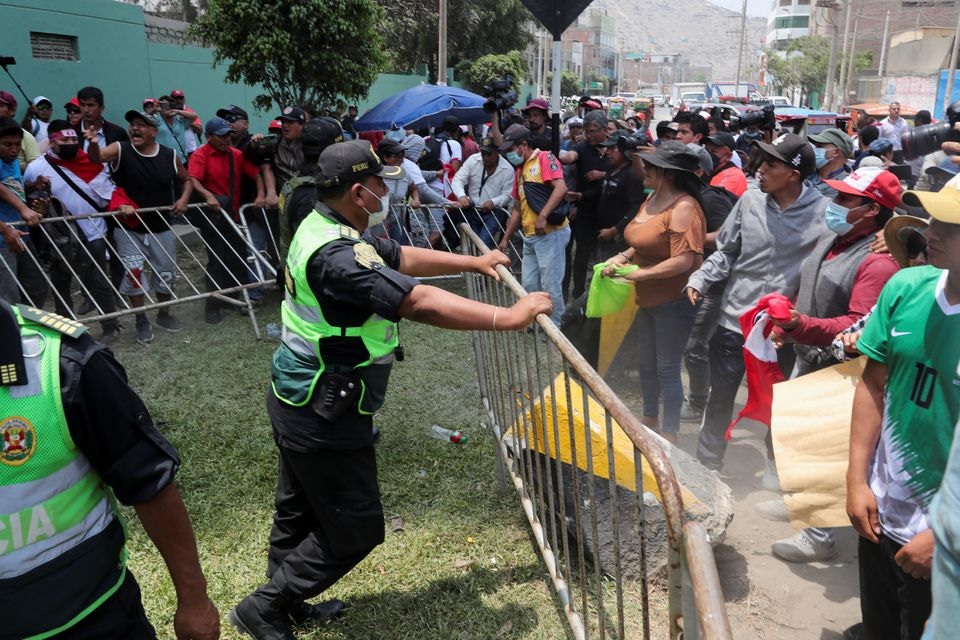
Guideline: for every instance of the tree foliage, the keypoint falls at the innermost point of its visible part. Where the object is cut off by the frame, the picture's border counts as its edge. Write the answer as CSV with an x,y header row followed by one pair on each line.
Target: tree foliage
x,y
307,52
474,29
570,84
493,66
806,63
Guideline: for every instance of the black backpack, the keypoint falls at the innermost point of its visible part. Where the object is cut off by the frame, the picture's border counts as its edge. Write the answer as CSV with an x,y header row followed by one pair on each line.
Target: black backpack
x,y
431,159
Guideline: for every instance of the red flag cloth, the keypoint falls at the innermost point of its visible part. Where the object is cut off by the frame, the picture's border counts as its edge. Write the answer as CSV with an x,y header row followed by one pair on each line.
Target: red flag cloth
x,y
119,199
80,166
760,357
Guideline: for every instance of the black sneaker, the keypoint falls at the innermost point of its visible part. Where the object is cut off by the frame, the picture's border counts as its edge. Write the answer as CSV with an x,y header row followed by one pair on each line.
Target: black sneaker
x,y
212,316
144,330
110,334
168,322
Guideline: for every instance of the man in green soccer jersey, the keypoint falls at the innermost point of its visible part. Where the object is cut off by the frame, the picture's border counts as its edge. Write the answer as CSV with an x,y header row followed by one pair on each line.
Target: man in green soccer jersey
x,y
904,413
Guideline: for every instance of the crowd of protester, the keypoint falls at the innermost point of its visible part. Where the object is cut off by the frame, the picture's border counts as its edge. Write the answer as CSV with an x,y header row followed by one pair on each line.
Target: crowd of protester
x,y
715,220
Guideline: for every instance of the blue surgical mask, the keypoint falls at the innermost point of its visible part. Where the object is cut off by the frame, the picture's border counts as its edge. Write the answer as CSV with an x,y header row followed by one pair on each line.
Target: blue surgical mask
x,y
836,218
821,155
514,158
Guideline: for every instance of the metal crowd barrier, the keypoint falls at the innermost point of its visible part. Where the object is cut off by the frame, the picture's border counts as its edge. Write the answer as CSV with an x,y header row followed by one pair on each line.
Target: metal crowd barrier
x,y
438,227
64,240
551,417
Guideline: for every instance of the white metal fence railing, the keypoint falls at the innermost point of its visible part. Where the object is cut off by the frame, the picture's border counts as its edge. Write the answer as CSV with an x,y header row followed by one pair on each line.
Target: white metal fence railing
x,y
597,488
182,259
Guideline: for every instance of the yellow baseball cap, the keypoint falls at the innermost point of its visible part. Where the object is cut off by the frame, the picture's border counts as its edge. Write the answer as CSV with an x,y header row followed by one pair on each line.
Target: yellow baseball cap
x,y
943,205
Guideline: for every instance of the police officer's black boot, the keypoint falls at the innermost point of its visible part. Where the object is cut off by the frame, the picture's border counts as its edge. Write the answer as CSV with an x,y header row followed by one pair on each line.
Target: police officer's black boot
x,y
302,613
264,615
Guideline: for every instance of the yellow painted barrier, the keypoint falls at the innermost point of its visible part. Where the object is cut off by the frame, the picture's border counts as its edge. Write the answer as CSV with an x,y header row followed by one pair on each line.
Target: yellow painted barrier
x,y
532,433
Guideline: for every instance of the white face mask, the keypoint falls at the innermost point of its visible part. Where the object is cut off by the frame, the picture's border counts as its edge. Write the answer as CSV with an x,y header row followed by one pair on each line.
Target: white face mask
x,y
376,217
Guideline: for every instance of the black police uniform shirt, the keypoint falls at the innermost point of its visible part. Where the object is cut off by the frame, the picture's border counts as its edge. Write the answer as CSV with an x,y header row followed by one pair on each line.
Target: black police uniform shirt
x,y
110,424
621,194
348,292
589,159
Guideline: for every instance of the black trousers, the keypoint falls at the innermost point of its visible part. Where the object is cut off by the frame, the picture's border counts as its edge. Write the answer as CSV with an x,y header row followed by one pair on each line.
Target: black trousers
x,y
726,373
93,270
226,252
120,617
583,241
328,518
894,605
697,353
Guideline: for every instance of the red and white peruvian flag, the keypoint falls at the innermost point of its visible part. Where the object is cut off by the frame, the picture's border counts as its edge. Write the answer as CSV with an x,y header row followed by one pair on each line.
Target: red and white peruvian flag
x,y
760,357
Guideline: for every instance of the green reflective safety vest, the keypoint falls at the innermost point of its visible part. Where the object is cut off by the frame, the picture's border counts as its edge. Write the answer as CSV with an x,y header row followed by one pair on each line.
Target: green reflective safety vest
x,y
61,540
297,362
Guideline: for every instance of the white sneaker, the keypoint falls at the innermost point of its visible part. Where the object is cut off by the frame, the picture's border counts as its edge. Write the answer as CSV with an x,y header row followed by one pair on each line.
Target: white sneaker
x,y
770,480
801,548
775,510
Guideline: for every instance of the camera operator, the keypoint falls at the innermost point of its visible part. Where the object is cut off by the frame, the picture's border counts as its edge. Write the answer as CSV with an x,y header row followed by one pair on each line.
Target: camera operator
x,y
536,115
174,124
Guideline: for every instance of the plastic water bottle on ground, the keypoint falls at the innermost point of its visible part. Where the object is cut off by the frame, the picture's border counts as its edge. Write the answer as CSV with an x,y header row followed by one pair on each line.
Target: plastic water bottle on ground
x,y
273,330
456,437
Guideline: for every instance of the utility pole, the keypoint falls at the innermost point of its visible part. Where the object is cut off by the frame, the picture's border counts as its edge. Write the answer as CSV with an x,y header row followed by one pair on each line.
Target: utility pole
x,y
853,55
830,5
839,98
743,29
442,48
883,47
948,93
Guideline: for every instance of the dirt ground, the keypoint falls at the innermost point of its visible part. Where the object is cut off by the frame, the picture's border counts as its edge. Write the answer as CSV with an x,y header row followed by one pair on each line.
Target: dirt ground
x,y
766,597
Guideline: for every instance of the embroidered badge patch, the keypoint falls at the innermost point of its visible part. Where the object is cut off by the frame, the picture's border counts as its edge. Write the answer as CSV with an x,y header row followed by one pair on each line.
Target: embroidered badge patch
x,y
18,441
367,256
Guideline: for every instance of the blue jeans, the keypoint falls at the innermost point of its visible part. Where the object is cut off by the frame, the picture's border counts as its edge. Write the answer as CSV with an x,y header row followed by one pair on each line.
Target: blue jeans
x,y
663,331
543,260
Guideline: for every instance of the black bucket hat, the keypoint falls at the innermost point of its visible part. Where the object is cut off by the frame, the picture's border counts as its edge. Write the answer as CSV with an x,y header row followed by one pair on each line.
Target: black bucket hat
x,y
673,155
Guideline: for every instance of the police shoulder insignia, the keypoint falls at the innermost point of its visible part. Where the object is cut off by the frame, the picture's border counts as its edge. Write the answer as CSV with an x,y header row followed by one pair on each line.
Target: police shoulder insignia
x,y
50,320
367,256
349,232
18,441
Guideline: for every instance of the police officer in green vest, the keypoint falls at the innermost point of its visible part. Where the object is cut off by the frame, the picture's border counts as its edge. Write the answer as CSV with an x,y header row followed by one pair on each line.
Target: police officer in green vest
x,y
345,293
74,440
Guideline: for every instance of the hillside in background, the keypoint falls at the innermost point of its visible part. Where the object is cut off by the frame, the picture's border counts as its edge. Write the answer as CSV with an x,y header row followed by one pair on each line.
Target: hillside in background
x,y
702,32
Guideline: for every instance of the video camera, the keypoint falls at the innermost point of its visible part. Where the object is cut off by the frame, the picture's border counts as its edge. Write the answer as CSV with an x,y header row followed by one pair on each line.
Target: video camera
x,y
764,119
925,139
499,95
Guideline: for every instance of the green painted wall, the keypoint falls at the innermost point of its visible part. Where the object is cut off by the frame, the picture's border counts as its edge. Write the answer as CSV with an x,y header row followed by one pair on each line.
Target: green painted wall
x,y
115,56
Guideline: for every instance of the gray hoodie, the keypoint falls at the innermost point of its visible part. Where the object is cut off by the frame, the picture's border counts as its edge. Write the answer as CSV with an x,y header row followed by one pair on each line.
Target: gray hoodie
x,y
760,249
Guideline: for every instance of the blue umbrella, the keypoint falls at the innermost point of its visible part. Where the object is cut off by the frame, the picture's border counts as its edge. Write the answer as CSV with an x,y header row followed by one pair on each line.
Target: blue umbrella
x,y
424,106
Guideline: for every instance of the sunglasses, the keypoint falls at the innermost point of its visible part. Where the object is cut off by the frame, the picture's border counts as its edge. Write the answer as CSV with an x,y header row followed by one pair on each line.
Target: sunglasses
x,y
44,107
73,110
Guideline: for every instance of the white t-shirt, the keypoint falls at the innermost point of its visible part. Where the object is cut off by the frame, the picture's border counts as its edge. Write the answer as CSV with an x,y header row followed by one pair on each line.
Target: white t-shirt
x,y
100,190
449,150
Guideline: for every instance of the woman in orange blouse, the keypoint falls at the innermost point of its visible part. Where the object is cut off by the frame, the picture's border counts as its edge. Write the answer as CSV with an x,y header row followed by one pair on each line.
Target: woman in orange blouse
x,y
666,240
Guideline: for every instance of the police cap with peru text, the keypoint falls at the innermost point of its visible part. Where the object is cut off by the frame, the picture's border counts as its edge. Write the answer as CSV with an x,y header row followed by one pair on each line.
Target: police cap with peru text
x,y
347,162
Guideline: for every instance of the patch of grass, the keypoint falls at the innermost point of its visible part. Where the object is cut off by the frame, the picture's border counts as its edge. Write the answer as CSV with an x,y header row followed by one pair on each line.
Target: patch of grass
x,y
461,567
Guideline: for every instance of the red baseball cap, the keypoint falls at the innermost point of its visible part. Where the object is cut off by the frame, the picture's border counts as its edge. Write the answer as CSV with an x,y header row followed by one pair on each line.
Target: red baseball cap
x,y
537,103
875,183
149,101
276,124
176,93
7,98
72,102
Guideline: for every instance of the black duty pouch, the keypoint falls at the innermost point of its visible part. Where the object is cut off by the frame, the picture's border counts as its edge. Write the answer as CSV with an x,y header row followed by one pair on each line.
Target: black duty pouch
x,y
335,394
